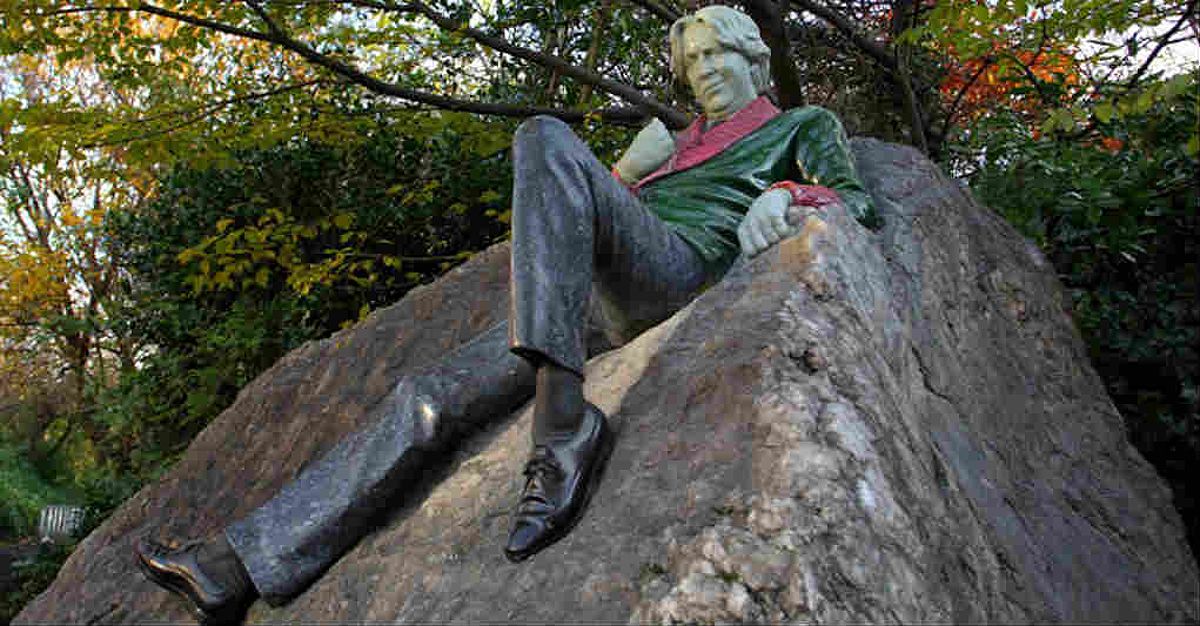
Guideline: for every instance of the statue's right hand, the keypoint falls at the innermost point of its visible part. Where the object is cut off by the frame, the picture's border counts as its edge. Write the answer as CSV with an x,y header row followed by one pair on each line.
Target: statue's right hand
x,y
652,146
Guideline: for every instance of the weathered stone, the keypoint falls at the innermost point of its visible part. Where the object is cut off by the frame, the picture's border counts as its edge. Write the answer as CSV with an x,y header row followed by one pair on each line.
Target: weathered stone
x,y
853,427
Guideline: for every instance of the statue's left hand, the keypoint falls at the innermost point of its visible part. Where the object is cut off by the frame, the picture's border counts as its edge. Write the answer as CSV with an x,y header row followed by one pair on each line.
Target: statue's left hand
x,y
652,146
765,223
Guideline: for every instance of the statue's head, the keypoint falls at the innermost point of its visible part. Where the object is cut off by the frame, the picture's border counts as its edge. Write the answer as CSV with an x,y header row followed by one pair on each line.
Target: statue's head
x,y
720,54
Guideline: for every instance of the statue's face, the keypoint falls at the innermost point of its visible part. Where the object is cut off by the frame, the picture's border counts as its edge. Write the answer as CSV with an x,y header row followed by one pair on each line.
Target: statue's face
x,y
719,77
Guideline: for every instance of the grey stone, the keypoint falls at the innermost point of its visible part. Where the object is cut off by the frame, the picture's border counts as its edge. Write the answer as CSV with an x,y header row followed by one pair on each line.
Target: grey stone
x,y
899,426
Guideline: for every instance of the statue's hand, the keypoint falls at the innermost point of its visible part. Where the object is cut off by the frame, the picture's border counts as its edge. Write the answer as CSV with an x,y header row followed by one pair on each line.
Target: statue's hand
x,y
765,223
650,149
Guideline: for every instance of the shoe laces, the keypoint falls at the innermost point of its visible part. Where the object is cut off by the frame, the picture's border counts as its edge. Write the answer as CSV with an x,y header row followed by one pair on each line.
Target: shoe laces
x,y
542,463
542,469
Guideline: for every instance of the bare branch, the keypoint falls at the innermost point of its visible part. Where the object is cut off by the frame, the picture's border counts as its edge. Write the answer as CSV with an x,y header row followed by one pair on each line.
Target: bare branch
x,y
873,49
277,36
894,63
1188,13
593,51
196,114
953,110
666,14
667,114
769,16
234,100
1027,68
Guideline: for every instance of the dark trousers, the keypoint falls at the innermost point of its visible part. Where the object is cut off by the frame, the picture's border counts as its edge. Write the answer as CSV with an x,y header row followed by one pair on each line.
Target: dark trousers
x,y
575,229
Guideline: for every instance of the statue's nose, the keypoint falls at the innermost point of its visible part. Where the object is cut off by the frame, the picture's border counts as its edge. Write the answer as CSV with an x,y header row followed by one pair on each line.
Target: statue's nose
x,y
705,68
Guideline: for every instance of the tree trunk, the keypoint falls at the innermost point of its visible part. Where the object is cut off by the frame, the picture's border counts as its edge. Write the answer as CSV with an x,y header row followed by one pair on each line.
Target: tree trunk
x,y
769,15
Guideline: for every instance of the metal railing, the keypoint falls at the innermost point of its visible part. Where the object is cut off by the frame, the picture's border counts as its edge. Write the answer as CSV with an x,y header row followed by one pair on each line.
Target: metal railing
x,y
58,523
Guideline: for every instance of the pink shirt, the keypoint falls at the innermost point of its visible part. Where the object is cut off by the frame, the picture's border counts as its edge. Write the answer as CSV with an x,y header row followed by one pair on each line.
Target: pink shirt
x,y
694,146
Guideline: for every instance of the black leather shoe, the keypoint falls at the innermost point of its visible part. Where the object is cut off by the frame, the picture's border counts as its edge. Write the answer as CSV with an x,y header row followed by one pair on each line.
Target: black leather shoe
x,y
217,595
560,478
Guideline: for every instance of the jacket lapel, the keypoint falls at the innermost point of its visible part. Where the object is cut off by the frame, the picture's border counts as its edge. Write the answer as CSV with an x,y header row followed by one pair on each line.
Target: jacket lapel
x,y
694,146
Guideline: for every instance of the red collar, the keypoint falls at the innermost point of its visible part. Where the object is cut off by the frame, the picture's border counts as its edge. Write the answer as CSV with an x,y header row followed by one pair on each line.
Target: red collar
x,y
694,146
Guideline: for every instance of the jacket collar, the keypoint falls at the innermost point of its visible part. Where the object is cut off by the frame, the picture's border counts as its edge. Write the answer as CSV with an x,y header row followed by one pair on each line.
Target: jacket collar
x,y
694,145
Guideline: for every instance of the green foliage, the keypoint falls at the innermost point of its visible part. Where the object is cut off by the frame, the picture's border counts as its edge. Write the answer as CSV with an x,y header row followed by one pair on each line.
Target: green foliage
x,y
233,266
32,578
1116,211
23,493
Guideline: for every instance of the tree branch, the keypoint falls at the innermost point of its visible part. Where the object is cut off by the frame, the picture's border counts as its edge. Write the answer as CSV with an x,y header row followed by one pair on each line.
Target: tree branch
x,y
844,26
593,51
768,14
667,114
953,110
234,100
1162,43
896,66
666,14
196,114
1027,70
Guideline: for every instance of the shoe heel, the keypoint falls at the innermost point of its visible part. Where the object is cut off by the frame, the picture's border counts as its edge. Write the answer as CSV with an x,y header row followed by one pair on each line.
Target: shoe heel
x,y
608,442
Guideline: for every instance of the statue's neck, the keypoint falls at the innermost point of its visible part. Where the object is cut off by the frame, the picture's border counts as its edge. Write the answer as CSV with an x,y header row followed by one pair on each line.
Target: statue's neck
x,y
710,123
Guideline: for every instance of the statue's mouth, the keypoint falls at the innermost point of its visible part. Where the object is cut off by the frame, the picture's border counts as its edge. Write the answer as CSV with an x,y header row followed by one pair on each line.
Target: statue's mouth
x,y
710,88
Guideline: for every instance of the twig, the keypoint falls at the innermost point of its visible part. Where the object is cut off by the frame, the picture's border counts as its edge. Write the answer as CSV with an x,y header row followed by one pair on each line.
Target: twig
x,y
664,13
953,110
843,25
1162,43
668,115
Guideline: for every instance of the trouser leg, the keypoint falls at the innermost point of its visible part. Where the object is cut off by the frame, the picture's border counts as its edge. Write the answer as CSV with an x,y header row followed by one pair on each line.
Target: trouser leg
x,y
574,225
292,538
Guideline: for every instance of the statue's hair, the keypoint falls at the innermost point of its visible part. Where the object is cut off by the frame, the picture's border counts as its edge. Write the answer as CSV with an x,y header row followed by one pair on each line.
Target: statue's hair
x,y
734,30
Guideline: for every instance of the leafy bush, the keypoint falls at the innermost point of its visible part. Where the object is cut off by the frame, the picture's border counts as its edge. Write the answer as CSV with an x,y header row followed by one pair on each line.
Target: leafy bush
x,y
23,494
233,266
1116,211
32,578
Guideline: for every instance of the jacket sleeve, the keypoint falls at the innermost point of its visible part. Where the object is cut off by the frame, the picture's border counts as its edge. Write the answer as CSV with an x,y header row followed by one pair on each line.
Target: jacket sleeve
x,y
823,158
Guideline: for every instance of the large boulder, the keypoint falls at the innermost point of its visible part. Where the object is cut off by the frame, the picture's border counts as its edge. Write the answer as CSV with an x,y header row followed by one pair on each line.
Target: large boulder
x,y
899,426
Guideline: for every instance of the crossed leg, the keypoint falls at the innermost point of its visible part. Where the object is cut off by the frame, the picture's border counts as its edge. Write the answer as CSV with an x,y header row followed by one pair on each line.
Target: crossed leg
x,y
575,228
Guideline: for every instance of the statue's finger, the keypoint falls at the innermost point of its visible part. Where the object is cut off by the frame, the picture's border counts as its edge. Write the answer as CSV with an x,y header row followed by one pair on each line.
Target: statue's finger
x,y
744,240
758,241
779,223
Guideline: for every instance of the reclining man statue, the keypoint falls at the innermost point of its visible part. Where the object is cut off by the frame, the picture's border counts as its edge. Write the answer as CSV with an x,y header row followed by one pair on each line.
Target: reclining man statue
x,y
666,221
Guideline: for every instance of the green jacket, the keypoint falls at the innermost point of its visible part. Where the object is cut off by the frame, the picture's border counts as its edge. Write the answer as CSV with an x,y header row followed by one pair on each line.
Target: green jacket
x,y
705,203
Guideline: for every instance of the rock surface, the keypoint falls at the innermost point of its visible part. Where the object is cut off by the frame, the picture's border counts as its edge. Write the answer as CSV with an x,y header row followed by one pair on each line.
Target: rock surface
x,y
899,426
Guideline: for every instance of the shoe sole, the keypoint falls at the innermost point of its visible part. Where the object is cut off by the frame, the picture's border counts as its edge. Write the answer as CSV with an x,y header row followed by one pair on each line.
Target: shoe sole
x,y
607,444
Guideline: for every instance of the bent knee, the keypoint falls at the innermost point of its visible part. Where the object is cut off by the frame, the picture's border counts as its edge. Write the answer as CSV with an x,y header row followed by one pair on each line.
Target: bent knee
x,y
545,132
